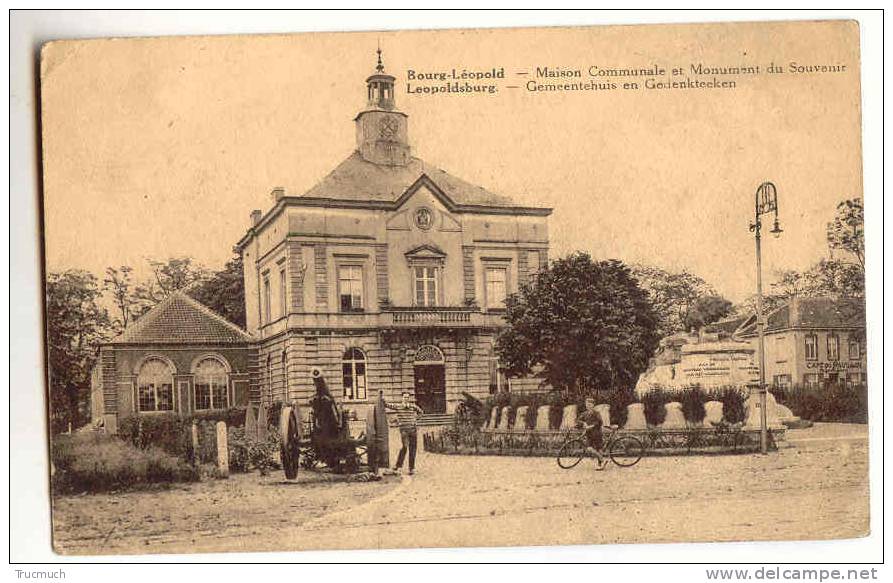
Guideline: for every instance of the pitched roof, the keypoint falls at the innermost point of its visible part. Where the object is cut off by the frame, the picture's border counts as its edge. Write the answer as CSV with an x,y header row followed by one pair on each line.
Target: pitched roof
x,y
727,326
180,319
820,312
356,179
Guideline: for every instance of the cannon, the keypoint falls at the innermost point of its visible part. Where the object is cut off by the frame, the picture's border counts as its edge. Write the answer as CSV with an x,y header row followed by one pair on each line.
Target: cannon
x,y
328,440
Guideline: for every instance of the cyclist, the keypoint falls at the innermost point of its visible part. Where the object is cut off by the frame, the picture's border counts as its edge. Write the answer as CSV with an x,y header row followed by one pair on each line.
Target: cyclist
x,y
591,422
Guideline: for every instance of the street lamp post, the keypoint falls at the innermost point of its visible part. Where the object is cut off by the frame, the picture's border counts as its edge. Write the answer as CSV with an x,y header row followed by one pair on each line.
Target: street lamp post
x,y
766,201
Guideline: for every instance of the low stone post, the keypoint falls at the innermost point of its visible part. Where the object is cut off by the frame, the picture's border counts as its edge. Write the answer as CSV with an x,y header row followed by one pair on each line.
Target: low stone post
x,y
542,418
196,452
222,450
491,424
714,412
504,418
520,419
635,416
569,417
674,419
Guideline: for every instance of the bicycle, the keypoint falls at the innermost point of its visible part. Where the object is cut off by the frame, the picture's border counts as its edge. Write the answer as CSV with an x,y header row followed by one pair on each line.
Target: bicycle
x,y
623,450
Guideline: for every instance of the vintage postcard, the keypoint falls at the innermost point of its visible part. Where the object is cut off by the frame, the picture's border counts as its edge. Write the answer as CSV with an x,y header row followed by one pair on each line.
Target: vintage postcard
x,y
455,288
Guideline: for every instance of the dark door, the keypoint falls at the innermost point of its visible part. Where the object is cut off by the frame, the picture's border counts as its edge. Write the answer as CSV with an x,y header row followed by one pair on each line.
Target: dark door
x,y
430,388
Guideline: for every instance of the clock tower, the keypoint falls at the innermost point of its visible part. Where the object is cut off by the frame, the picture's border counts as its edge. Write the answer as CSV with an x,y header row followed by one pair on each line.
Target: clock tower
x,y
382,130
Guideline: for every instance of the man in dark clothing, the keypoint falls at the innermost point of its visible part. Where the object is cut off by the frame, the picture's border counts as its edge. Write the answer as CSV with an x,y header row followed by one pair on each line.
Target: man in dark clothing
x,y
407,420
591,422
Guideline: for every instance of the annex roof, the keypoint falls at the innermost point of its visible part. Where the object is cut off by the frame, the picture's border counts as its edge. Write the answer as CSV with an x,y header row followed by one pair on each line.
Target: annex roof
x,y
180,319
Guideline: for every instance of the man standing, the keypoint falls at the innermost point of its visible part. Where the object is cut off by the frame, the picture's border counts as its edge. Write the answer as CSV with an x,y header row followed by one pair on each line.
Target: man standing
x,y
407,420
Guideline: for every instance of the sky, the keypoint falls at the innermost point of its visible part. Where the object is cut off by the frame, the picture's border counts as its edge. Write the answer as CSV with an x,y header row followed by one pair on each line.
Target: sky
x,y
162,147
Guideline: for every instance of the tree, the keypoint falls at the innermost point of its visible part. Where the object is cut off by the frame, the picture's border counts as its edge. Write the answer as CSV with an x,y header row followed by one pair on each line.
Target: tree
x,y
177,273
707,310
118,283
847,231
76,324
224,292
587,325
673,295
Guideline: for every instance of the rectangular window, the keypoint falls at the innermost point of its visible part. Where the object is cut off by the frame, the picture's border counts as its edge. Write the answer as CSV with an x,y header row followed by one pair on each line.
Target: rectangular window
x,y
267,299
283,292
854,348
425,285
156,397
812,347
782,381
496,281
211,393
853,379
350,288
833,347
811,380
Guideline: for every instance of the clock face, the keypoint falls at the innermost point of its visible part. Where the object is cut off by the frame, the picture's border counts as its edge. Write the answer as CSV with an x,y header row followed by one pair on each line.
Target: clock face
x,y
387,128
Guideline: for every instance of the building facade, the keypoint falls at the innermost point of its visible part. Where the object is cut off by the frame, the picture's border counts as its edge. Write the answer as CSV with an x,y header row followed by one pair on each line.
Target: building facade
x,y
813,342
180,357
389,275
810,342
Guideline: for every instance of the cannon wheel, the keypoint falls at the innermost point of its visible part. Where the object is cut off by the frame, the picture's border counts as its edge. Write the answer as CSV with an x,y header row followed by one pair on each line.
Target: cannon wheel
x,y
290,441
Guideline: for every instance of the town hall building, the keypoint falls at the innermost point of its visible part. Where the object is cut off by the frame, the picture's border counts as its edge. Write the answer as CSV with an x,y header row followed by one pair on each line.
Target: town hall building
x,y
389,275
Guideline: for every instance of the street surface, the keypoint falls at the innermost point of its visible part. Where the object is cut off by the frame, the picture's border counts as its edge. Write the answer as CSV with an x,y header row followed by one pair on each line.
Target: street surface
x,y
814,487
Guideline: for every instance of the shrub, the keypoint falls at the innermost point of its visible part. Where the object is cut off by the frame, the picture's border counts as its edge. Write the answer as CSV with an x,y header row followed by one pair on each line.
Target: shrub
x,y
171,432
654,401
618,401
246,454
732,399
834,402
96,462
693,399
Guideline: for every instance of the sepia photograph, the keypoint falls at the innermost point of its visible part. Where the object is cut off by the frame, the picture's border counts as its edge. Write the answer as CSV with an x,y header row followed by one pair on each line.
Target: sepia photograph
x,y
482,287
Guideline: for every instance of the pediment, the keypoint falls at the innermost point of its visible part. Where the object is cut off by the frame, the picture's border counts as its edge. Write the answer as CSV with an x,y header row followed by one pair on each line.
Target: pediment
x,y
426,251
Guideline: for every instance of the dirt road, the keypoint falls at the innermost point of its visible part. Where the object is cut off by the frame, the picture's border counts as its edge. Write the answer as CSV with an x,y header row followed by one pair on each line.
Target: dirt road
x,y
815,487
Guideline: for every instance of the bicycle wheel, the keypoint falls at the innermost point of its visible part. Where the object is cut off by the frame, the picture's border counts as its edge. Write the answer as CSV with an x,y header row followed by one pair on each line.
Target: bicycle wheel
x,y
626,451
571,453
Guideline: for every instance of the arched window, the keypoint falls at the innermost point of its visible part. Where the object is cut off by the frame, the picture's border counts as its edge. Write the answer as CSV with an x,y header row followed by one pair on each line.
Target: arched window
x,y
211,384
353,367
155,386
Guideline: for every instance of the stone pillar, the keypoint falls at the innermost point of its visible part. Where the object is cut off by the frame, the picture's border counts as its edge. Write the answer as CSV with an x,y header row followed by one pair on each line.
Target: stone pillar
x,y
251,422
569,417
635,416
222,450
604,411
542,418
521,419
674,419
714,413
504,418
262,423
193,435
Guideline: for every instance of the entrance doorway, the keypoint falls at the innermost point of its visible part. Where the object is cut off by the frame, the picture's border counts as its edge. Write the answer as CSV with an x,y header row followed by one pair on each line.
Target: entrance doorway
x,y
430,380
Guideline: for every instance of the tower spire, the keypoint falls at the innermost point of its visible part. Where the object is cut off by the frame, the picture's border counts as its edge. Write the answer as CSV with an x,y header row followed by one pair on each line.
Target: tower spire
x,y
380,66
